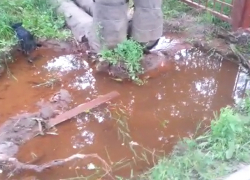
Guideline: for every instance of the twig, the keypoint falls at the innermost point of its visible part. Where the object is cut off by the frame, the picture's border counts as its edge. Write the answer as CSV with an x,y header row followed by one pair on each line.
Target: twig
x,y
41,125
17,165
48,83
8,70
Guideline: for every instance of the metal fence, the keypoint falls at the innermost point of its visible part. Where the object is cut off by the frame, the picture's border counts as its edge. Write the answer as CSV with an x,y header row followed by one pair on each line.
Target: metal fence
x,y
235,12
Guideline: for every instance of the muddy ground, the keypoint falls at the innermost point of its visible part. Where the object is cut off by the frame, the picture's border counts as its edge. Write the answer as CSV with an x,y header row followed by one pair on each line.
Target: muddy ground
x,y
17,129
211,38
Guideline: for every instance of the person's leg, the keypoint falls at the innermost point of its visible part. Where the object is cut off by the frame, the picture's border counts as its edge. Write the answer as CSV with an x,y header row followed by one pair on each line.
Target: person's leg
x,y
147,22
110,22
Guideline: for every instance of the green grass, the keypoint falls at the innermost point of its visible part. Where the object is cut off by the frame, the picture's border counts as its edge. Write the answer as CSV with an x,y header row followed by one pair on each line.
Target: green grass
x,y
37,16
207,17
212,155
217,6
128,52
176,8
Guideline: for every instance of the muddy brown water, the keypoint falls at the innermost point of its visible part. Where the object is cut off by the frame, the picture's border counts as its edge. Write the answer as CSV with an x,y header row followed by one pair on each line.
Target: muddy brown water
x,y
179,94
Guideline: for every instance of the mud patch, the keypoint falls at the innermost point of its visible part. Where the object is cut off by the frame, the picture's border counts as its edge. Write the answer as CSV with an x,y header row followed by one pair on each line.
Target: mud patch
x,y
17,130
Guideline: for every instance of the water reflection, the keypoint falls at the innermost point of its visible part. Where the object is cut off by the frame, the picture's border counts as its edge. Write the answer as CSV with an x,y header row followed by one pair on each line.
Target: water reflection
x,y
242,84
84,81
85,137
66,63
195,89
82,139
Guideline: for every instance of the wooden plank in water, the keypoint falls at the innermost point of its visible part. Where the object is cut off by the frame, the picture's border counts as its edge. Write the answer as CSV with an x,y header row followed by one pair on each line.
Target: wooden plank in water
x,y
82,108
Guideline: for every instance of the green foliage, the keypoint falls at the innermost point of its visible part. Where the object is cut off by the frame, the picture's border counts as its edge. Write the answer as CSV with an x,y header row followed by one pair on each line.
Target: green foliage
x,y
207,17
218,6
212,155
244,105
36,15
130,53
174,8
177,8
229,133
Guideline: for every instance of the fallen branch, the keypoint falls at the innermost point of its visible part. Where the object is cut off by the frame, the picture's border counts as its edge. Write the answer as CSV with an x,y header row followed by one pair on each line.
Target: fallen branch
x,y
17,165
49,83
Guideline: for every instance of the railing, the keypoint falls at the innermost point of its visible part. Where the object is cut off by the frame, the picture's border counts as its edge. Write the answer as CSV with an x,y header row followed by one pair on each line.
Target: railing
x,y
235,12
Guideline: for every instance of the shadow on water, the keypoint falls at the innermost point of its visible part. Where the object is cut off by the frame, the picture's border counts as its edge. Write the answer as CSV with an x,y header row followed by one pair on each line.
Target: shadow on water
x,y
144,120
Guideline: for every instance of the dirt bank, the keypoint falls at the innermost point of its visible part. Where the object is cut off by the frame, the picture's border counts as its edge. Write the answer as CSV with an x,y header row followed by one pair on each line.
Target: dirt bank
x,y
21,128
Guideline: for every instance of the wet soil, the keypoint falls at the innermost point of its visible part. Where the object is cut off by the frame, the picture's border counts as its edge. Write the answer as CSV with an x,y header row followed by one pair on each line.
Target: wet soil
x,y
210,37
145,120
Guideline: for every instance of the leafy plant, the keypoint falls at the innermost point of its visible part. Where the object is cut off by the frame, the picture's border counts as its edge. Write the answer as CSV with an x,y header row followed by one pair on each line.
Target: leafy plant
x,y
130,53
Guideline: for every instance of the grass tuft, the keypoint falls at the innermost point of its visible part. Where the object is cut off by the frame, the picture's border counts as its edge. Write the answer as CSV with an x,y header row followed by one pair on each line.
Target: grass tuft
x,y
177,8
128,52
38,16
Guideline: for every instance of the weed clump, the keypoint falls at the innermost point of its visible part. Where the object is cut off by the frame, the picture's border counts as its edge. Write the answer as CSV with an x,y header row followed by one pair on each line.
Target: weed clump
x,y
128,52
38,16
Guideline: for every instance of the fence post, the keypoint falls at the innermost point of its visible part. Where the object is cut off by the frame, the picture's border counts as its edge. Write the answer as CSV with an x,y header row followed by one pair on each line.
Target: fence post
x,y
237,13
246,16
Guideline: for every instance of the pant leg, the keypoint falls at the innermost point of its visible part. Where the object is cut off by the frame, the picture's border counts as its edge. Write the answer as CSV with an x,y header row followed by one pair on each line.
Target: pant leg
x,y
147,22
110,23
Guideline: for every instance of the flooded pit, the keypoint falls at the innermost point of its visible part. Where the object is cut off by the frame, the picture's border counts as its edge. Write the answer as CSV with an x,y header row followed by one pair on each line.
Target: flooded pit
x,y
167,107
